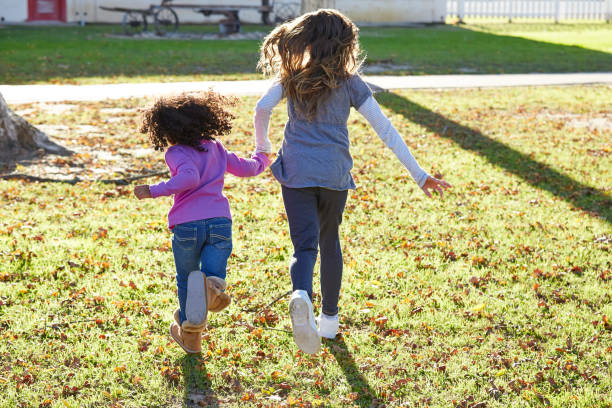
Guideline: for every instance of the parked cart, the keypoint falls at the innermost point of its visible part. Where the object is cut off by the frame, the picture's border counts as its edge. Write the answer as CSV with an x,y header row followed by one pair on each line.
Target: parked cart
x,y
166,20
134,20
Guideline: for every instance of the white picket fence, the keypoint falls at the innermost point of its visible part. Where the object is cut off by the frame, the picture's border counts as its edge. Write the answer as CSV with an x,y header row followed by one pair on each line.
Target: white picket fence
x,y
540,9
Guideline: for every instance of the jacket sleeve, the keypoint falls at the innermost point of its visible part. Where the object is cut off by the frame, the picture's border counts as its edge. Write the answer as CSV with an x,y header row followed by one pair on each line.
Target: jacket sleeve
x,y
186,175
241,167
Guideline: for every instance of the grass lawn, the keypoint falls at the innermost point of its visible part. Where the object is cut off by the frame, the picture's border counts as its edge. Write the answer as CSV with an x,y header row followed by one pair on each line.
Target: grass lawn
x,y
497,294
91,55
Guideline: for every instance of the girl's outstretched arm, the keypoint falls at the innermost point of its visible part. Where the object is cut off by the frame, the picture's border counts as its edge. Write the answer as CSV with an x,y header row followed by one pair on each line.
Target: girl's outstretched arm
x,y
389,135
241,167
261,120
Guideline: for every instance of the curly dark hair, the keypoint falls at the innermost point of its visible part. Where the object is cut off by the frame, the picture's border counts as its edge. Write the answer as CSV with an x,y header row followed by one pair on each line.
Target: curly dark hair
x,y
188,119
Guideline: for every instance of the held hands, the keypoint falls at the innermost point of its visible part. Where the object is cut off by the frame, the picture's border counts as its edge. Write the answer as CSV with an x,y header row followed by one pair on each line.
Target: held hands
x,y
434,184
142,191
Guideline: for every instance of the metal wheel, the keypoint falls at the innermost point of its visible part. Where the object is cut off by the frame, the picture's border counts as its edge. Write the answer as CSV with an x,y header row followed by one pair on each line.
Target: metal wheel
x,y
166,21
134,23
285,11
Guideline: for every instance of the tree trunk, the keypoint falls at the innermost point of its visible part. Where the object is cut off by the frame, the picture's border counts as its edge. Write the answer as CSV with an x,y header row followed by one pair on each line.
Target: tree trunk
x,y
19,139
313,5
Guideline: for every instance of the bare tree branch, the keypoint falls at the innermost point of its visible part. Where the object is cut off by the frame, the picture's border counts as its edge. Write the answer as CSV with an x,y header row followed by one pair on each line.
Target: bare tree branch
x,y
119,181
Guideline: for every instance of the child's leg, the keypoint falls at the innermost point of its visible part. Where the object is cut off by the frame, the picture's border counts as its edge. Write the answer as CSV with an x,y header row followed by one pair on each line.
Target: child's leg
x,y
216,251
331,207
217,247
301,208
187,240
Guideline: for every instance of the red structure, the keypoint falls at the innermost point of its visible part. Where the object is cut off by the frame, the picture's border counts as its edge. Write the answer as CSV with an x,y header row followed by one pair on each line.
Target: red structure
x,y
46,10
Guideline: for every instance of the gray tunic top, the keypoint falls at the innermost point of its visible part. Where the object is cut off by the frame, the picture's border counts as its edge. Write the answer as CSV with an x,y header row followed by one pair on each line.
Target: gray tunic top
x,y
316,153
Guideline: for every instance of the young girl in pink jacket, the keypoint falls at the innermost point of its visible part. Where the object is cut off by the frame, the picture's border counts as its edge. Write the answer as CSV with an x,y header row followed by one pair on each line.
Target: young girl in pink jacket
x,y
200,218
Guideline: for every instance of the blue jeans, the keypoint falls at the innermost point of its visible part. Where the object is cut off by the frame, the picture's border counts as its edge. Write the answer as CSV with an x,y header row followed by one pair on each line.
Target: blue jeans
x,y
203,245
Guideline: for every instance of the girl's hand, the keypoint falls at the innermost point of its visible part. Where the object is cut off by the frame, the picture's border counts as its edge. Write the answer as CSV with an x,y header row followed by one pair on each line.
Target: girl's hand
x,y
142,191
434,184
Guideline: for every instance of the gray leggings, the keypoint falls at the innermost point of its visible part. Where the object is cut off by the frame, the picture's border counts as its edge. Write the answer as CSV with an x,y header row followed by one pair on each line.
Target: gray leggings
x,y
314,216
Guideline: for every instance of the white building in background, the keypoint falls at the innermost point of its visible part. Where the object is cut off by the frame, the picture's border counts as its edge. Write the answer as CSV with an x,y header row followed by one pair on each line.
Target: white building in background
x,y
361,11
384,11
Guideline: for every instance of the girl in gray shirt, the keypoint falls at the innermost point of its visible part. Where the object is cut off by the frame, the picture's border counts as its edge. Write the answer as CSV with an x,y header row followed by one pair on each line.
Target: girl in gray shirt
x,y
315,59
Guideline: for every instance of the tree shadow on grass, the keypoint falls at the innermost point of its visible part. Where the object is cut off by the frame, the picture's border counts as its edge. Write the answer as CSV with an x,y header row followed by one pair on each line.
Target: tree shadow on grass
x,y
366,396
537,174
197,385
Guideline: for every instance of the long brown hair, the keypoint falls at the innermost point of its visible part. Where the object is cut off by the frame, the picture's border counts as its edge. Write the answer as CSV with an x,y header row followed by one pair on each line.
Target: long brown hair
x,y
311,55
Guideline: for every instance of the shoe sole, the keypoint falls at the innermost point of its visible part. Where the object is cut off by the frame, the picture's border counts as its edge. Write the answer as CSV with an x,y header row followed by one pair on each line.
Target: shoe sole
x,y
178,341
195,305
305,334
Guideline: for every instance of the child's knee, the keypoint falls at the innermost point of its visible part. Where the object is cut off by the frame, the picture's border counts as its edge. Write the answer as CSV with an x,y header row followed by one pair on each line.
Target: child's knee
x,y
305,254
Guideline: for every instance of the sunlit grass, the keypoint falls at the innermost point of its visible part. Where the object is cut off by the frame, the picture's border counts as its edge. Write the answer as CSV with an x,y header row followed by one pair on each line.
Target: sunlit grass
x,y
94,54
497,293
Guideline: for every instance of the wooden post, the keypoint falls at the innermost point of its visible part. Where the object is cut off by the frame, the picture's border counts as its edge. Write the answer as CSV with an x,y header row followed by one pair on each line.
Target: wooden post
x,y
510,10
265,15
83,13
608,11
557,11
461,10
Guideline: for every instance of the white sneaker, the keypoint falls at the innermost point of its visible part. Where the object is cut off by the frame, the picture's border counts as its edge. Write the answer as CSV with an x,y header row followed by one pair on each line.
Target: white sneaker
x,y
328,325
305,332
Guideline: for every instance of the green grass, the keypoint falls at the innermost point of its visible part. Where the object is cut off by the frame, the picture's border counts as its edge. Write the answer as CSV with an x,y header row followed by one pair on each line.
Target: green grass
x,y
90,55
498,293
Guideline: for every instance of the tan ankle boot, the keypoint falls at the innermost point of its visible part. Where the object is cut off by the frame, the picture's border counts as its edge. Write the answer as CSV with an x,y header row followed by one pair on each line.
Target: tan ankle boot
x,y
186,325
217,299
190,341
